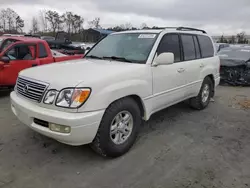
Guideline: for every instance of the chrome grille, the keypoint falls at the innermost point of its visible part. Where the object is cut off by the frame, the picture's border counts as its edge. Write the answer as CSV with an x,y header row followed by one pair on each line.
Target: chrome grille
x,y
31,89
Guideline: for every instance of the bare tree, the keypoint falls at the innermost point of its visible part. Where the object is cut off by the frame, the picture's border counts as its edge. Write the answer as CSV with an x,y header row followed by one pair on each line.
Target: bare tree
x,y
78,22
242,38
34,25
10,21
43,20
68,20
55,20
95,23
144,26
10,14
3,19
128,26
232,40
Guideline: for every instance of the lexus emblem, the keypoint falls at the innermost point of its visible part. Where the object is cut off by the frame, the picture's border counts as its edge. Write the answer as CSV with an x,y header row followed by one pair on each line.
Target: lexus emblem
x,y
26,88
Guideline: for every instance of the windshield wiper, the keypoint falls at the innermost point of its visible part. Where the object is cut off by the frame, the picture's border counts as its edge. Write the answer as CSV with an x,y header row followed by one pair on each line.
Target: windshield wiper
x,y
118,58
94,57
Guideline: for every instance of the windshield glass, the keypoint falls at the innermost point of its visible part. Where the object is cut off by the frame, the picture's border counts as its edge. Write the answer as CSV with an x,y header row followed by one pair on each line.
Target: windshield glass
x,y
6,43
237,53
133,47
1,42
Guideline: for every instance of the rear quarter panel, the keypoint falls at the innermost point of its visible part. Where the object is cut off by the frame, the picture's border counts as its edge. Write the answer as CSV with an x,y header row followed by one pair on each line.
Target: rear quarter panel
x,y
212,67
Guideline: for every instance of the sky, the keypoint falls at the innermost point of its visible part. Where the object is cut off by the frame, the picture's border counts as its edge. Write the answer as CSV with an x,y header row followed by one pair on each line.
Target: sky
x,y
217,17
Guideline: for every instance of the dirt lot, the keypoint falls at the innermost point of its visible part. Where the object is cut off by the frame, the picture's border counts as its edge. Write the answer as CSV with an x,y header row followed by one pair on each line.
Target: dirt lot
x,y
177,148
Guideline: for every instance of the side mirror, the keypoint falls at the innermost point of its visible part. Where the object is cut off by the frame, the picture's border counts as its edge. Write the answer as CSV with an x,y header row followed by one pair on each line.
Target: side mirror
x,y
5,59
88,48
164,59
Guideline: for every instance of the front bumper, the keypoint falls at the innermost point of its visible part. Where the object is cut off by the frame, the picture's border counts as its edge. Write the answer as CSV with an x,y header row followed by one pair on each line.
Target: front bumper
x,y
84,126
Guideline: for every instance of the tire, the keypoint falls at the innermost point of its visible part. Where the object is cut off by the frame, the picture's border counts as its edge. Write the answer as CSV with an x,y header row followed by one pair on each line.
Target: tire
x,y
104,143
197,102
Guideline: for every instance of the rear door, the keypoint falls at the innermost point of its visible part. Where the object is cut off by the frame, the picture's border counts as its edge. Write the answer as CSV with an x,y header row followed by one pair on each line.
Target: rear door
x,y
21,56
191,57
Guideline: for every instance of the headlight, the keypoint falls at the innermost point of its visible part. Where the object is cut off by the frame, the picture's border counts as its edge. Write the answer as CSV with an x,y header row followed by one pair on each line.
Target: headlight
x,y
50,97
72,97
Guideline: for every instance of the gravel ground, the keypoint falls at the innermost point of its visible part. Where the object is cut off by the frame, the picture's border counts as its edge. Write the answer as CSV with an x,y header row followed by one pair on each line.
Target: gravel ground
x,y
178,147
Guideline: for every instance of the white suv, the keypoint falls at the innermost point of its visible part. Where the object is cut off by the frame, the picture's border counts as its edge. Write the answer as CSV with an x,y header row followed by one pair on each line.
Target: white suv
x,y
124,79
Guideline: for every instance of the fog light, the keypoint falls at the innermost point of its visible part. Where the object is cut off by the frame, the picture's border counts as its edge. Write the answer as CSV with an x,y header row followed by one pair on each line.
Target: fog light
x,y
59,128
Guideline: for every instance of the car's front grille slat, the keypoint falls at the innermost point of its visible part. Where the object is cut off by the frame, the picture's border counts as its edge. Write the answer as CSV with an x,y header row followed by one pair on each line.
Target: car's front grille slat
x,y
31,89
30,94
31,84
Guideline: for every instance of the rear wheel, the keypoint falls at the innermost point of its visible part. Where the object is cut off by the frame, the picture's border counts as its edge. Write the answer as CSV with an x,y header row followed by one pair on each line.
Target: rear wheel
x,y
118,129
202,100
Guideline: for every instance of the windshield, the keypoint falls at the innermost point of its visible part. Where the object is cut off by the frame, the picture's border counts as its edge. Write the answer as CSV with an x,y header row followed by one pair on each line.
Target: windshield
x,y
5,43
1,42
133,47
238,53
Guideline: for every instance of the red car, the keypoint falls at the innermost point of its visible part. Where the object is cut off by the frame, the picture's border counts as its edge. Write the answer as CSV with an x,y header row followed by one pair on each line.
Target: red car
x,y
18,53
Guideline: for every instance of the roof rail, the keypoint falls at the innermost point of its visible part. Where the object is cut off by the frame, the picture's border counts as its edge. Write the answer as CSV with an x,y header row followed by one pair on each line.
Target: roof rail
x,y
189,29
165,28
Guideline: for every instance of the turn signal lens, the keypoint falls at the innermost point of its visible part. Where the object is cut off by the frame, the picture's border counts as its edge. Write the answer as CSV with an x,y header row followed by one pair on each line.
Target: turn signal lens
x,y
79,96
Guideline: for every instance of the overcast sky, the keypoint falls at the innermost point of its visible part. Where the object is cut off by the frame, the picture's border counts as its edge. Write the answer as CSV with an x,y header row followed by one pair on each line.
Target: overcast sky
x,y
216,16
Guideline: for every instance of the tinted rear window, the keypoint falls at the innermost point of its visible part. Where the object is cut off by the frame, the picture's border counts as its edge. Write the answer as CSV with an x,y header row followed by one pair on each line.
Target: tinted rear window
x,y
188,47
206,46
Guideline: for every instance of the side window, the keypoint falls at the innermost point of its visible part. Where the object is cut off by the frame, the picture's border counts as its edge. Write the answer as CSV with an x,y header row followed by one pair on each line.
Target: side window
x,y
188,47
206,45
170,43
42,51
21,52
197,48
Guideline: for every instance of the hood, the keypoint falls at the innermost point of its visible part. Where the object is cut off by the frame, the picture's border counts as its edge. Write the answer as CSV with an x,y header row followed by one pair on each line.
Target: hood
x,y
71,73
232,62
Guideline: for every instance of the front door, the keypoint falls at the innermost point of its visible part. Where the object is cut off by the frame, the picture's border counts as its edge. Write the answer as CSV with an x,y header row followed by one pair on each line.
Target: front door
x,y
21,56
169,80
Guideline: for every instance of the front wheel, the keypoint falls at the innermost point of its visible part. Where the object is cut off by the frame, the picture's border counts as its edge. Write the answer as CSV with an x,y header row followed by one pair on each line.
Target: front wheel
x,y
202,100
118,129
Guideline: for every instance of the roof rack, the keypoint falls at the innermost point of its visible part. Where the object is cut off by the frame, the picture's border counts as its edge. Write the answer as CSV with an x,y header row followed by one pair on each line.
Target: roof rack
x,y
189,29
165,28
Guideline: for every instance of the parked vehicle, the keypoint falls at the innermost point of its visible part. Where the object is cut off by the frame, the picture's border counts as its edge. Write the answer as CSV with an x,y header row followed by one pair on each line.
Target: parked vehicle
x,y
235,65
63,44
47,38
18,53
220,46
124,79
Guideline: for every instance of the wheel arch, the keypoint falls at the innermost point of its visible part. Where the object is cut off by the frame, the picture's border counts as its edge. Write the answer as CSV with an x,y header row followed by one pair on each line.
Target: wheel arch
x,y
138,101
211,76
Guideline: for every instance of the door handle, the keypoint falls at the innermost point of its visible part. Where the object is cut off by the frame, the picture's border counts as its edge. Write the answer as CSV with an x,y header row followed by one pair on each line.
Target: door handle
x,y
180,70
6,65
201,65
